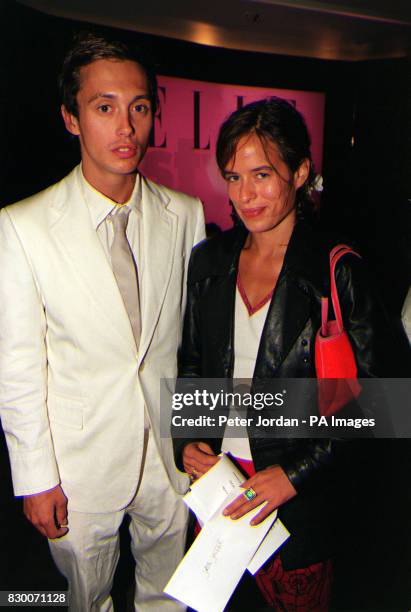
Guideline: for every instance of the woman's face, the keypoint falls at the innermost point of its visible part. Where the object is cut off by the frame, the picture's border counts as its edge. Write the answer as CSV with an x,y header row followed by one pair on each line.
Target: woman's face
x,y
263,198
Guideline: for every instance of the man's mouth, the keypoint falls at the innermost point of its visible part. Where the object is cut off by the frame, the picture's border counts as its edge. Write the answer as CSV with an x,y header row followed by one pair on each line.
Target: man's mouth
x,y
125,151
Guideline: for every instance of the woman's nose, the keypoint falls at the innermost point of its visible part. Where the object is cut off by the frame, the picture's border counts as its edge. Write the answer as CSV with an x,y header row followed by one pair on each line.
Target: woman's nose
x,y
247,191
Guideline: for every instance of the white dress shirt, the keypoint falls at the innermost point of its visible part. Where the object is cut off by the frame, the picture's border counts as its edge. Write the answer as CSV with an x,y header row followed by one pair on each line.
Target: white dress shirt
x,y
101,208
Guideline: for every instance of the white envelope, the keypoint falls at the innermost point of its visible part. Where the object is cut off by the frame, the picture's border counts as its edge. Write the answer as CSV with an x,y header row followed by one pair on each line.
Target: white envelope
x,y
212,568
210,490
275,538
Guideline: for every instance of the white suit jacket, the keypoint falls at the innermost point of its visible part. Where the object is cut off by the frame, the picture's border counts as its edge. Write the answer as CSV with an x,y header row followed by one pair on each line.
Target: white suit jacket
x,y
72,384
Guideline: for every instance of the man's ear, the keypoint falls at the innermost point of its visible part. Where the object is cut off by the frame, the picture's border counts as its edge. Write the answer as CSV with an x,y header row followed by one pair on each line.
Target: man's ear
x,y
70,121
301,174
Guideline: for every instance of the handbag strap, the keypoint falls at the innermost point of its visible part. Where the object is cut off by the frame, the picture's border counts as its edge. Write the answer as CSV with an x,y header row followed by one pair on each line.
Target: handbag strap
x,y
335,255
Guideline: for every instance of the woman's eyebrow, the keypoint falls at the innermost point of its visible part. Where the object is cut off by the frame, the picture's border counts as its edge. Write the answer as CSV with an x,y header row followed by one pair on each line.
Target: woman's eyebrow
x,y
264,167
257,169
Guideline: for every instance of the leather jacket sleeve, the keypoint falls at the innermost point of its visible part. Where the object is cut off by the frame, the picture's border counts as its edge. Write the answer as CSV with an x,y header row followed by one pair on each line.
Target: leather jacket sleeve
x,y
368,327
189,359
189,355
310,461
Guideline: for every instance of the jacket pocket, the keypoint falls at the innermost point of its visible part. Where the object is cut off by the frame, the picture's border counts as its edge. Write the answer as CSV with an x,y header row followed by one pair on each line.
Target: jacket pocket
x,y
66,410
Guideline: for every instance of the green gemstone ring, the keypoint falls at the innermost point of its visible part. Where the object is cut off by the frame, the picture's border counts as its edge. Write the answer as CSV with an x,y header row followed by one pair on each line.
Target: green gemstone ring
x,y
250,494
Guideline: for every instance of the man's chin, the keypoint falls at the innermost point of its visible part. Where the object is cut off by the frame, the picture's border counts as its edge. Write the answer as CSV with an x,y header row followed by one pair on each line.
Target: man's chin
x,y
126,169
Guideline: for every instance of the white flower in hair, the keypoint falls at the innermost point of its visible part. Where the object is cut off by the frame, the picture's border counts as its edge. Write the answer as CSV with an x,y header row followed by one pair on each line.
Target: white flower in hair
x,y
318,183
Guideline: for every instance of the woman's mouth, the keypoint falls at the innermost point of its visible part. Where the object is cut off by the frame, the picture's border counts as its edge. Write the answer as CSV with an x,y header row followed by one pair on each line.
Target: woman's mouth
x,y
249,213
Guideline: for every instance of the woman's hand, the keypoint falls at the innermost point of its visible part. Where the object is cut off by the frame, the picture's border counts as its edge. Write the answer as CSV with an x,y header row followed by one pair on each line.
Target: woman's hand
x,y
198,457
271,485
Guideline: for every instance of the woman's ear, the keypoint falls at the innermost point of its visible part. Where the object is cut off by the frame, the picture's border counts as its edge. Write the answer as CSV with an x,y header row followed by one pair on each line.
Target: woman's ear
x,y
302,173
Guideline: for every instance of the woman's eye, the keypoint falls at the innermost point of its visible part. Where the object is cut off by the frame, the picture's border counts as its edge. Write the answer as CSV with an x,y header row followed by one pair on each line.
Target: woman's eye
x,y
231,178
142,108
262,175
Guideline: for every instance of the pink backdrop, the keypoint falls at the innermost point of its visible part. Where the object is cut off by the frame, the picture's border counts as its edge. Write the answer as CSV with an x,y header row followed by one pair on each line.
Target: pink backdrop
x,y
185,132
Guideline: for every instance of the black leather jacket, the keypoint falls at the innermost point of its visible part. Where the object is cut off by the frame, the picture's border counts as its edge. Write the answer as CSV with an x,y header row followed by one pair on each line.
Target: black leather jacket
x,y
286,351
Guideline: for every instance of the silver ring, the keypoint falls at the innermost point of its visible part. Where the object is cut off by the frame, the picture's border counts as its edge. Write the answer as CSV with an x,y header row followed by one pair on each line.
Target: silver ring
x,y
193,476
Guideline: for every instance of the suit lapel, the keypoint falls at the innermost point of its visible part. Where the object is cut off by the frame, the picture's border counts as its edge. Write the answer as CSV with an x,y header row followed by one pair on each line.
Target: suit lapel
x,y
80,246
159,243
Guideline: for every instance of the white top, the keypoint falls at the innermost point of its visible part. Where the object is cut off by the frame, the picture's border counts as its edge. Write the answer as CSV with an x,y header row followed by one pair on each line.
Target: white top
x,y
248,327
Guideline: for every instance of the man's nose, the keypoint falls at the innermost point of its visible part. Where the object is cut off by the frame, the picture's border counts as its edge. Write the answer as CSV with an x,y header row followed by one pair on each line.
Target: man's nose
x,y
125,125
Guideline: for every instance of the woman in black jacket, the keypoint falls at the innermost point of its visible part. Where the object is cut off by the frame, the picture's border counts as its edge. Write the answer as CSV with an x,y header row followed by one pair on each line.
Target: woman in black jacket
x,y
254,304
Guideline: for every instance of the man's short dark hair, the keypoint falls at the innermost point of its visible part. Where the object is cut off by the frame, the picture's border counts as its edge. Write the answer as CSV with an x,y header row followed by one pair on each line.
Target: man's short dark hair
x,y
89,47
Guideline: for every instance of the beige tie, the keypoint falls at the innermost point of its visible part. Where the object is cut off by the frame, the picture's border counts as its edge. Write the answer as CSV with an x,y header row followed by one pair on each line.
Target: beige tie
x,y
125,270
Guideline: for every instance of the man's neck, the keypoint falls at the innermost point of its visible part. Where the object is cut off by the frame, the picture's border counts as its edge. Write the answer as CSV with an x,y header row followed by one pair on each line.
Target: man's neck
x,y
117,188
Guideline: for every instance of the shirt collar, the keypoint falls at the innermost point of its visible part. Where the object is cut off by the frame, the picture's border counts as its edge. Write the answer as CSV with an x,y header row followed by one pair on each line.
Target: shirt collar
x,y
100,206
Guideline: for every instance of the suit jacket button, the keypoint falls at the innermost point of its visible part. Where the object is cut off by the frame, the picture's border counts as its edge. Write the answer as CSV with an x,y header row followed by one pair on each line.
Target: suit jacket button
x,y
305,360
304,342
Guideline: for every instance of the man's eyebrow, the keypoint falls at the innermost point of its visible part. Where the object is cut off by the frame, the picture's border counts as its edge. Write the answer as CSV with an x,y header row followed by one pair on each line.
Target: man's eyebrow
x,y
101,94
111,96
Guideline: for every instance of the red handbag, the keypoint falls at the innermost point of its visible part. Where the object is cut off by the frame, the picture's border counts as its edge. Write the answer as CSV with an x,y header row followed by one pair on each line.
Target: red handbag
x,y
334,357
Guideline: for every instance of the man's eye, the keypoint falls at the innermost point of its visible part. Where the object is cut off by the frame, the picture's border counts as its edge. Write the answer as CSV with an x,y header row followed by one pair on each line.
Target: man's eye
x,y
231,178
104,108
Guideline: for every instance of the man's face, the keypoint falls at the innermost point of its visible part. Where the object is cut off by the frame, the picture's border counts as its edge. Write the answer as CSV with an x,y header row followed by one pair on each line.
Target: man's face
x,y
114,119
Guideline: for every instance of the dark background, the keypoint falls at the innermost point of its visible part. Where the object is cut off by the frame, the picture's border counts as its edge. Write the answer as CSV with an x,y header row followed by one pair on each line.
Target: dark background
x,y
367,103
367,178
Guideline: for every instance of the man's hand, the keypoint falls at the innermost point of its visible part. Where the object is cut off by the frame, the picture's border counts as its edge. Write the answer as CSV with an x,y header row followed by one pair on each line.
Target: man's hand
x,y
198,457
271,485
48,512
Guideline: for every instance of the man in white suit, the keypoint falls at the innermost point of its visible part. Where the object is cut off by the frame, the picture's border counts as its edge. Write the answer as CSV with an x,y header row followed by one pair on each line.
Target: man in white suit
x,y
79,390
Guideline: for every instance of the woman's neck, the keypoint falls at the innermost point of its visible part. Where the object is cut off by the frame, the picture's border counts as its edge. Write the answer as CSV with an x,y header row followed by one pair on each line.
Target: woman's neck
x,y
271,242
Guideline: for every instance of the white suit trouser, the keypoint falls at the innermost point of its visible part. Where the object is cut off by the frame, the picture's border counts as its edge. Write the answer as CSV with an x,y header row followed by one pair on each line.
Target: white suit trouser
x,y
87,556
